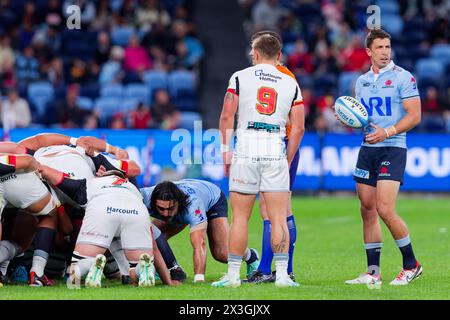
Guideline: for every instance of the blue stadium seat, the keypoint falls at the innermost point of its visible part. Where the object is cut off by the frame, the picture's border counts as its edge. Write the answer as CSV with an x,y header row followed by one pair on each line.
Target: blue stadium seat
x,y
120,35
441,52
39,94
107,106
388,6
392,23
188,118
90,90
129,104
181,80
138,91
347,82
114,90
155,79
85,103
430,68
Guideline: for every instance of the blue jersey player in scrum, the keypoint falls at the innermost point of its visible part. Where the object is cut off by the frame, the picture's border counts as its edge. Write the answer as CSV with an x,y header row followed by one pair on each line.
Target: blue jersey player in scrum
x,y
204,207
392,100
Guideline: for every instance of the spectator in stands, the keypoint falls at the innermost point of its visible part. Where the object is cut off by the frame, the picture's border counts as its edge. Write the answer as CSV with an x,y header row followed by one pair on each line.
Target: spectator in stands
x,y
27,67
15,111
140,118
432,119
354,58
149,13
90,122
104,15
55,73
29,14
341,38
49,36
111,71
53,11
159,44
118,122
267,14
188,49
69,114
25,35
7,59
164,114
103,48
136,58
300,62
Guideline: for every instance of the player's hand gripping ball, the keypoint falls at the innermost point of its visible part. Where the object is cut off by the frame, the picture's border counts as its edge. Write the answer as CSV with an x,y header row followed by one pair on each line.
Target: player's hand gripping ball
x,y
351,112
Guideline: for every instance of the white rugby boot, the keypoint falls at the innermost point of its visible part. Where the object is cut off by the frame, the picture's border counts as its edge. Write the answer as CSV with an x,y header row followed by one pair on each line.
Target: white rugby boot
x,y
226,281
366,279
94,276
147,272
407,275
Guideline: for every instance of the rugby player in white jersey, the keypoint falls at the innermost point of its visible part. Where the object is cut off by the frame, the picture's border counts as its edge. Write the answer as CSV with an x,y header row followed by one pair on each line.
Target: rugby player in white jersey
x,y
22,188
264,99
114,207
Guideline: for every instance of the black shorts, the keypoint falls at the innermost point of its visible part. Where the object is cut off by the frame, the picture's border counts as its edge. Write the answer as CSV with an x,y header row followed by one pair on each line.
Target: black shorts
x,y
380,163
219,209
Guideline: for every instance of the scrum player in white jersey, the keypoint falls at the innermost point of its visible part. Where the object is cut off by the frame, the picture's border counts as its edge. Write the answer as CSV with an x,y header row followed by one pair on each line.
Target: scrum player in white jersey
x,y
21,188
114,207
264,99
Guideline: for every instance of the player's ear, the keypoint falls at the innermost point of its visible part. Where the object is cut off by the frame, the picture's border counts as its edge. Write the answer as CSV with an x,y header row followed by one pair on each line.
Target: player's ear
x,y
369,52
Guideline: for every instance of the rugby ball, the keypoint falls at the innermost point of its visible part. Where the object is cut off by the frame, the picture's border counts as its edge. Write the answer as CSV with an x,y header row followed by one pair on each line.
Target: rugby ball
x,y
351,112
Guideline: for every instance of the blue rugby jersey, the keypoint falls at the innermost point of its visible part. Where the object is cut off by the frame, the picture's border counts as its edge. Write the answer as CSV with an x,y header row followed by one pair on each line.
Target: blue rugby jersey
x,y
383,99
202,196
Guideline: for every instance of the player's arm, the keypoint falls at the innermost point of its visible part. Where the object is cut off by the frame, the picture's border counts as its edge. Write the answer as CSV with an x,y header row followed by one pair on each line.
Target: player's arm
x,y
198,241
297,122
44,140
12,147
75,189
95,144
10,163
129,167
226,126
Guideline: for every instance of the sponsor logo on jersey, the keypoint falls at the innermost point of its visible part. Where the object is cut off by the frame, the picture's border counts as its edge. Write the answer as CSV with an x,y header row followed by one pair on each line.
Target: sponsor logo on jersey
x,y
388,84
267,76
123,211
263,126
8,177
246,182
413,81
360,173
366,84
385,163
95,234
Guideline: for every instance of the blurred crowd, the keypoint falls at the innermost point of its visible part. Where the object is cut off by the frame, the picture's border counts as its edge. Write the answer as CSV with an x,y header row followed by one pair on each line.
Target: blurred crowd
x,y
55,77
324,47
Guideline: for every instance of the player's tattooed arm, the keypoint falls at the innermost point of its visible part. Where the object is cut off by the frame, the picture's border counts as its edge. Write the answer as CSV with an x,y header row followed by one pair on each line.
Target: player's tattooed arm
x,y
278,247
45,140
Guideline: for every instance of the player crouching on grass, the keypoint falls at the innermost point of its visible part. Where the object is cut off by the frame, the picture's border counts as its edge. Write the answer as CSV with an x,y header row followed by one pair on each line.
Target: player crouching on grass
x,y
114,207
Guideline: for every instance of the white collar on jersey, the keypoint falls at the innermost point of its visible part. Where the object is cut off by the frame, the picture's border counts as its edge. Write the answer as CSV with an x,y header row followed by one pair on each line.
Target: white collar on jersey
x,y
383,70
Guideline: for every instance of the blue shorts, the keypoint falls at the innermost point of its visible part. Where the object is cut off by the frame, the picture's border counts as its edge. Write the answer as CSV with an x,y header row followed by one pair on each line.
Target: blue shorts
x,y
219,209
380,163
294,166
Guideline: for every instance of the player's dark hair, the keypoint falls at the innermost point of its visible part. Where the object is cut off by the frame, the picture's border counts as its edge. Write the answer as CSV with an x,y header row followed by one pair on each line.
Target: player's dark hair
x,y
168,191
264,32
267,44
376,34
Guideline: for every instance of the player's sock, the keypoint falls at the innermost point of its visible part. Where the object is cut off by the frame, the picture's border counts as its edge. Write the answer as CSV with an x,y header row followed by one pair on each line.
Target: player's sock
x,y
137,268
267,254
166,251
234,266
373,252
292,239
281,263
43,242
250,256
4,266
83,263
8,250
119,255
409,260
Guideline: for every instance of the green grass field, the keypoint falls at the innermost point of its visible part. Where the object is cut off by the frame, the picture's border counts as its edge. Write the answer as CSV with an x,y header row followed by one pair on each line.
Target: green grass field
x,y
329,250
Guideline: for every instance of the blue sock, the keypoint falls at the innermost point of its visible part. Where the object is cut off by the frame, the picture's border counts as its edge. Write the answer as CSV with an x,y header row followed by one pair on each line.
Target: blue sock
x,y
292,238
267,255
409,260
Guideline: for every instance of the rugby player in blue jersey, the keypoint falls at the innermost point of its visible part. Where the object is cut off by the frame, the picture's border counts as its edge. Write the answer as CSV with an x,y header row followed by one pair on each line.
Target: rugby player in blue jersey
x,y
201,205
392,100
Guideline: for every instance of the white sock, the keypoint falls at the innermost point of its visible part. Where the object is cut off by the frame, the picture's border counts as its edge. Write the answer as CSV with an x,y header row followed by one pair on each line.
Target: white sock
x,y
39,262
119,255
281,264
84,266
8,250
247,254
234,266
4,267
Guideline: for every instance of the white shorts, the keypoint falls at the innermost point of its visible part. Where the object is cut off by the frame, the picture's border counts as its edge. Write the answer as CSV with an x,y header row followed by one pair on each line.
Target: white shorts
x,y
23,189
116,216
252,175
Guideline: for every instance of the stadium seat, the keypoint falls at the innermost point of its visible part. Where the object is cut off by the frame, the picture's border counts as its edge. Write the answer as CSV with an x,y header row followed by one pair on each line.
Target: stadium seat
x,y
181,80
107,106
188,118
155,79
388,6
120,35
85,103
138,91
129,104
90,90
114,90
392,23
429,68
347,82
39,94
441,52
